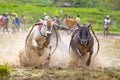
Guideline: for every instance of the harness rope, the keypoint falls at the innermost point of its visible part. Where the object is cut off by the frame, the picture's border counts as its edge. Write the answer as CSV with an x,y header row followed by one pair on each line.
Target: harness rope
x,y
98,44
42,34
56,40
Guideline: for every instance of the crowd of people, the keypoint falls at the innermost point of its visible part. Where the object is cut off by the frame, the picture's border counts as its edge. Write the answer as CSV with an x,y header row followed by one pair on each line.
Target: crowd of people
x,y
68,21
5,19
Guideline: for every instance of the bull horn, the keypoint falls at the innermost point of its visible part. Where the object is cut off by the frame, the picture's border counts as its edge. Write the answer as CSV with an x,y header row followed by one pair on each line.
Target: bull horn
x,y
90,25
78,25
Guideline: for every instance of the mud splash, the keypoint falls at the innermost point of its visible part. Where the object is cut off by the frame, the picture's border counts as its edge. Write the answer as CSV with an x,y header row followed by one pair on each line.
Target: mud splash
x,y
11,47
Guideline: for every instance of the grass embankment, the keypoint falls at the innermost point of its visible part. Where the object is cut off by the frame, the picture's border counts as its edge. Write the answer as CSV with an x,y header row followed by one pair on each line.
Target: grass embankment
x,y
94,15
66,74
4,72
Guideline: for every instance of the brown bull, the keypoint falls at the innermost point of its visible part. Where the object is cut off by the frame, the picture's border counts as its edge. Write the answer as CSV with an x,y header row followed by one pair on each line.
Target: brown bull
x,y
82,43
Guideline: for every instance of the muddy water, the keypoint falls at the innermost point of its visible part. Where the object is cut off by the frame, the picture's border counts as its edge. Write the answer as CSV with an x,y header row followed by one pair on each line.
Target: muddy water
x,y
10,47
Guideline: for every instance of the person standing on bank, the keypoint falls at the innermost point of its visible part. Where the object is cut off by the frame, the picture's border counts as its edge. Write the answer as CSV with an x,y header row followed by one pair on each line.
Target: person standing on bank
x,y
107,23
24,23
16,22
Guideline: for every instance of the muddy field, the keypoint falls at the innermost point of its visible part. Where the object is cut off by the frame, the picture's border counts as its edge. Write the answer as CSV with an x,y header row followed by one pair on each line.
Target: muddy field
x,y
104,67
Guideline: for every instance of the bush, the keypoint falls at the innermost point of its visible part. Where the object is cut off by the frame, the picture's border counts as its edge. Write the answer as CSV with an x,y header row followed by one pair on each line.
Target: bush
x,y
4,71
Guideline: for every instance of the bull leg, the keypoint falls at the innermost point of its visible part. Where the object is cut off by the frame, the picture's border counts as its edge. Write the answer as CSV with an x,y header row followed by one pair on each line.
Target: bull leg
x,y
89,59
48,58
80,57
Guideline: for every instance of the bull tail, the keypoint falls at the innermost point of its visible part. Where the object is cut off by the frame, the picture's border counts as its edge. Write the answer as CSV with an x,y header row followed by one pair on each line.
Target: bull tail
x,y
97,43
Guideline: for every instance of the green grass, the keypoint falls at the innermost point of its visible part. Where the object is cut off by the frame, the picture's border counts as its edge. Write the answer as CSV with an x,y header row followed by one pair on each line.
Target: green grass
x,y
4,71
70,74
35,11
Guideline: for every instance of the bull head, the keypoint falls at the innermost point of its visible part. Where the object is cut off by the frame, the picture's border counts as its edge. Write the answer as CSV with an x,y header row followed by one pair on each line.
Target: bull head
x,y
84,32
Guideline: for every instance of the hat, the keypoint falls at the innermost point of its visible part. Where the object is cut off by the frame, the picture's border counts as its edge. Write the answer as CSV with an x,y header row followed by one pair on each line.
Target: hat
x,y
108,16
6,12
14,14
45,14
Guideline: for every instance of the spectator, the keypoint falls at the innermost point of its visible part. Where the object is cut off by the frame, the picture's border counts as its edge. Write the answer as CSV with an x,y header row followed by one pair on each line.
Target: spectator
x,y
24,23
65,21
57,20
70,22
107,23
6,16
77,21
46,16
15,22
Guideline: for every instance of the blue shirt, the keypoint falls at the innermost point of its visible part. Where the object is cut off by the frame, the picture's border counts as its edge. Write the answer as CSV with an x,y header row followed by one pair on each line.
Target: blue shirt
x,y
16,21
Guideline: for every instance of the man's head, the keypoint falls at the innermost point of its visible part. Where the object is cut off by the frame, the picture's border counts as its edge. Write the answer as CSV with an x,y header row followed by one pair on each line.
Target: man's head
x,y
45,14
108,16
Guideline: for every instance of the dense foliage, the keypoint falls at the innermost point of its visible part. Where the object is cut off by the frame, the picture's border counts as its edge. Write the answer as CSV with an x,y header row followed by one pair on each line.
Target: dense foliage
x,y
107,4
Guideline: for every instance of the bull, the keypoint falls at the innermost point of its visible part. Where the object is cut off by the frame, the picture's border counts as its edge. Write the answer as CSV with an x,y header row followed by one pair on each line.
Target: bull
x,y
37,41
82,42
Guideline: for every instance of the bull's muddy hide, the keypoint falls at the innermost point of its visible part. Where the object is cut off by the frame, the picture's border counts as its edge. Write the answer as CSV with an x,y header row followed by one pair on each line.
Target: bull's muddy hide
x,y
31,57
34,56
36,60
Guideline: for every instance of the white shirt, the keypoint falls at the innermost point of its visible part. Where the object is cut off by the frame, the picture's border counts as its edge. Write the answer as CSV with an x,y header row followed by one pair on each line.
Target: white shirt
x,y
107,21
77,20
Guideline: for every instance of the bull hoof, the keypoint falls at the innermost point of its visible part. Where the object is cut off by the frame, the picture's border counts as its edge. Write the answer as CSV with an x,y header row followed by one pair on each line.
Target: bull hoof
x,y
48,58
36,67
80,66
87,63
39,54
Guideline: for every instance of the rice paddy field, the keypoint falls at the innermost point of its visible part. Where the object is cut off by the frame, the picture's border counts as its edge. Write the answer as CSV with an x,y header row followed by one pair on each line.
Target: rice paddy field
x,y
106,66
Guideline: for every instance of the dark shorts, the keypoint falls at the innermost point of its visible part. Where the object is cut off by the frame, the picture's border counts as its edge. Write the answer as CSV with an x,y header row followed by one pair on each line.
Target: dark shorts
x,y
106,28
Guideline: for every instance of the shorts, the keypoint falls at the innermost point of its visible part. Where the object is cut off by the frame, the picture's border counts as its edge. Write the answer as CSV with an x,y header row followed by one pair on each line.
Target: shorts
x,y
106,28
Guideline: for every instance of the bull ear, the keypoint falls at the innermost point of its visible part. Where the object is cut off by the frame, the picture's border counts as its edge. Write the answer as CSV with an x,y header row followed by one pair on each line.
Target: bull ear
x,y
90,26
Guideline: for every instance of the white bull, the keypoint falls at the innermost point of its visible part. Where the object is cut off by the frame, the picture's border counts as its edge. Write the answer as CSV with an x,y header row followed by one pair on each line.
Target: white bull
x,y
36,45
